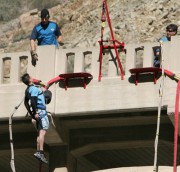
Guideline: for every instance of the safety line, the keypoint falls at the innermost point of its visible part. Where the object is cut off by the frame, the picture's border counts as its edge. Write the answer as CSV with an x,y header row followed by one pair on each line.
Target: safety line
x,y
12,163
52,121
155,167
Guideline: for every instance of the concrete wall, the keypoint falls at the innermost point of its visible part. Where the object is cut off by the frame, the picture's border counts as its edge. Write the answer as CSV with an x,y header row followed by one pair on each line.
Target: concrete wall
x,y
111,93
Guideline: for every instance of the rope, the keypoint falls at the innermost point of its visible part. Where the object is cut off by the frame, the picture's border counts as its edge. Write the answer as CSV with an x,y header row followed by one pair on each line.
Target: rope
x,y
155,168
52,121
12,163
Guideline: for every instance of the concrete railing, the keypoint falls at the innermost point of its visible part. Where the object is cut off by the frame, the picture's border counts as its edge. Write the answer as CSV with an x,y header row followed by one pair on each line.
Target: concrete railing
x,y
110,94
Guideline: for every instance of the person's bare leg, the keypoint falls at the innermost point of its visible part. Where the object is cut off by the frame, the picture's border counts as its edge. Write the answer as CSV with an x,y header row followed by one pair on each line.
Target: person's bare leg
x,y
41,145
41,139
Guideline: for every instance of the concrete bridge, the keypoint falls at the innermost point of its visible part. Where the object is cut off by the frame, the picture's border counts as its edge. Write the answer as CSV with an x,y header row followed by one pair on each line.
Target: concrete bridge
x,y
110,124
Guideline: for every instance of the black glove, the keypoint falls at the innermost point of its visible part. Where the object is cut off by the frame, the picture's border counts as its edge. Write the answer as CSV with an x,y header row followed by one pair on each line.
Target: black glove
x,y
34,57
61,43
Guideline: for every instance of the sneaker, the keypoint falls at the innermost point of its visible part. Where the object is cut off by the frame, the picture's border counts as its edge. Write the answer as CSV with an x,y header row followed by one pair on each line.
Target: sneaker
x,y
37,155
43,159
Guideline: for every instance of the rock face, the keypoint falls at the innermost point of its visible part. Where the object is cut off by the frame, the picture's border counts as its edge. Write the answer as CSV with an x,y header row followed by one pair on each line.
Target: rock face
x,y
133,21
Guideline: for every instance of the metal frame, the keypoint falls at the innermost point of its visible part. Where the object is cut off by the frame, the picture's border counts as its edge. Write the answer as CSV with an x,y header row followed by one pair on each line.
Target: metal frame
x,y
114,43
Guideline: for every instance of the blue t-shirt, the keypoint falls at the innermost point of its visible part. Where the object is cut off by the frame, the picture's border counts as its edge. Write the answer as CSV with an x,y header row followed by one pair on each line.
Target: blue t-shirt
x,y
36,92
164,39
46,34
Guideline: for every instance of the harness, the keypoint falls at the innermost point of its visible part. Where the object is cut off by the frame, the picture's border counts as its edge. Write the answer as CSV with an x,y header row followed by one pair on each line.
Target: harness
x,y
41,115
47,95
41,107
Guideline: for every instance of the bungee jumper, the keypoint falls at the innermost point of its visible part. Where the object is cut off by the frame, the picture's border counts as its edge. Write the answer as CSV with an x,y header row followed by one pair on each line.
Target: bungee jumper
x,y
37,95
47,98
35,104
113,44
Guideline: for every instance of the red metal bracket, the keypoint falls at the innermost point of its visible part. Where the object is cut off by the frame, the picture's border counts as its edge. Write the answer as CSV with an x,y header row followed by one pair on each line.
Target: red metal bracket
x,y
136,71
114,44
65,78
82,76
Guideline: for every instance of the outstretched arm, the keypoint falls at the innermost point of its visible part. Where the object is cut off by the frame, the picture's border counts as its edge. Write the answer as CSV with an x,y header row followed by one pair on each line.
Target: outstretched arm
x,y
34,56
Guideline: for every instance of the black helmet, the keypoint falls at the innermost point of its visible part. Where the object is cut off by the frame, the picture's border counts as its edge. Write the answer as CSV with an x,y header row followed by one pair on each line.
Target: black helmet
x,y
45,13
47,96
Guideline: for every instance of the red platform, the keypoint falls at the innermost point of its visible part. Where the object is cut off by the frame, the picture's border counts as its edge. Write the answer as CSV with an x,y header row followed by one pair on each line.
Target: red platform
x,y
80,77
136,71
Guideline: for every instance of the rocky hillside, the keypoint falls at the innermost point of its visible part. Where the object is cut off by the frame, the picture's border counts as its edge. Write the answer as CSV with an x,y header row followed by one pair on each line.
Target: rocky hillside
x,y
133,21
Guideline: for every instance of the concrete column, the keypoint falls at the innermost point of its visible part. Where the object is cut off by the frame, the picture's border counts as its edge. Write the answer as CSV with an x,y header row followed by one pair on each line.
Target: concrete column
x,y
61,62
3,56
15,67
174,54
71,163
95,63
148,57
57,155
45,67
113,67
79,61
166,46
130,58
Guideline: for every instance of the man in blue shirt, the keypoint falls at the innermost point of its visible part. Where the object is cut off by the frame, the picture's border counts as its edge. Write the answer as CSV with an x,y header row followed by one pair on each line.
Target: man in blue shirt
x,y
35,104
46,33
171,31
